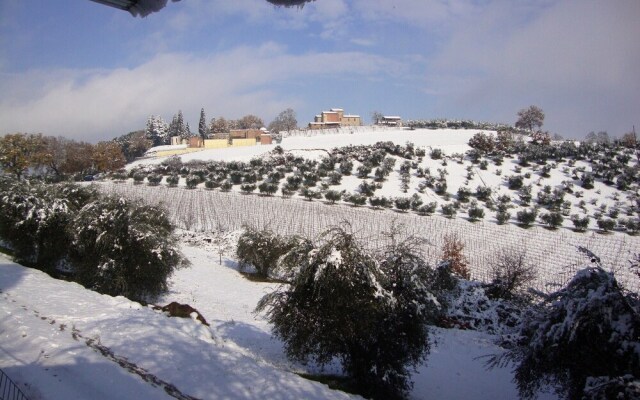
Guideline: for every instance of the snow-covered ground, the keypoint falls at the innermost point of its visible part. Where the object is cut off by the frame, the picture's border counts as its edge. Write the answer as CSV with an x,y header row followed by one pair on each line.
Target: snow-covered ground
x,y
61,341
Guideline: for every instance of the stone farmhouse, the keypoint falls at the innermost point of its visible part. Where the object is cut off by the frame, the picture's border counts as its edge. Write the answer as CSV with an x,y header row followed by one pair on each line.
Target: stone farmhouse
x,y
334,118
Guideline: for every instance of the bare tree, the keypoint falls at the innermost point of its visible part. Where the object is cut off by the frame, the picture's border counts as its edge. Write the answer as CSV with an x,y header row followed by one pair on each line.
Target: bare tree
x,y
376,117
285,121
530,118
511,271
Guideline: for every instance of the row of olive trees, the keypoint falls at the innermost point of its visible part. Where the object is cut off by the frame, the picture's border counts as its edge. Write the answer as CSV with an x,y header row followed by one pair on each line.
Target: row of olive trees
x,y
108,244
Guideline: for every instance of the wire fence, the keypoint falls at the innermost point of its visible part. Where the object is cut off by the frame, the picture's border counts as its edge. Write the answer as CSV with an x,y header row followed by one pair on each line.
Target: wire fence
x,y
554,253
9,390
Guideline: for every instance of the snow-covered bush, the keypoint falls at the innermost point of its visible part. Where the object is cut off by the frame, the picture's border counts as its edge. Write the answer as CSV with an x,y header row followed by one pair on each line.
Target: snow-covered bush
x,y
585,332
172,180
333,196
526,217
122,247
34,220
368,313
552,219
475,211
427,209
606,224
402,203
261,249
482,142
580,223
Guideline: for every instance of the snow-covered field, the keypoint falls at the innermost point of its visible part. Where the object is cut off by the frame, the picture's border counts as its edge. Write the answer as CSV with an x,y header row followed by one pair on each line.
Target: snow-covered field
x,y
61,341
553,251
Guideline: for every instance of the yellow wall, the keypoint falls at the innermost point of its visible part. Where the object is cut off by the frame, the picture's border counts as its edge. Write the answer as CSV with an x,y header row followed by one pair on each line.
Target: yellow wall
x,y
243,142
215,143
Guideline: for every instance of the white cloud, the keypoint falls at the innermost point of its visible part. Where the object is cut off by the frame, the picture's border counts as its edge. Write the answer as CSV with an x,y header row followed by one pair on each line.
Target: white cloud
x,y
98,105
576,59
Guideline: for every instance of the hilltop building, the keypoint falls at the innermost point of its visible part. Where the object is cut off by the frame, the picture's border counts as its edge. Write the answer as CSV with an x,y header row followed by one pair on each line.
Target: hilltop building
x,y
390,120
334,118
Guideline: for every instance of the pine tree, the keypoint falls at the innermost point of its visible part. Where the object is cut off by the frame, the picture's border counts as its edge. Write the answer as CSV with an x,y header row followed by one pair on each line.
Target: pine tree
x,y
157,130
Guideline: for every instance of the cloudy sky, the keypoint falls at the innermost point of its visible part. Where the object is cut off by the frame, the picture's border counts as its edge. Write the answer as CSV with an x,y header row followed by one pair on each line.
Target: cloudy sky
x,y
90,72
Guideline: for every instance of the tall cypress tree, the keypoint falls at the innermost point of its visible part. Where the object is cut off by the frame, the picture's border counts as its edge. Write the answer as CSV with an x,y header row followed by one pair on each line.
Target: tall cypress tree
x,y
202,127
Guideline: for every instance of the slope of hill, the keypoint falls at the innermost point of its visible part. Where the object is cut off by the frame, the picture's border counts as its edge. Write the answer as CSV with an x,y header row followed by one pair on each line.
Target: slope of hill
x,y
67,342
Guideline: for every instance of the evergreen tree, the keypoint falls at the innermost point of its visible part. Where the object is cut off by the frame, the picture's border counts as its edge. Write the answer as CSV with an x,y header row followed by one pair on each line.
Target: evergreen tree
x,y
157,130
178,127
584,333
203,130
369,313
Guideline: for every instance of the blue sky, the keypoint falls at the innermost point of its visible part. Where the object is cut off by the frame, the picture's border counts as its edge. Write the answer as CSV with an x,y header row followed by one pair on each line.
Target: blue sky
x,y
90,72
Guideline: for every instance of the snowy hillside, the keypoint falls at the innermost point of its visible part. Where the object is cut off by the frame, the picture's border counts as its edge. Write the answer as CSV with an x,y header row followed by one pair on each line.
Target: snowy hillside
x,y
71,343
482,187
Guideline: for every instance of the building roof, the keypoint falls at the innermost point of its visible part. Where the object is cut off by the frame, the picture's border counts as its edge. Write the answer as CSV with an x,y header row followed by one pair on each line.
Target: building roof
x,y
351,116
391,117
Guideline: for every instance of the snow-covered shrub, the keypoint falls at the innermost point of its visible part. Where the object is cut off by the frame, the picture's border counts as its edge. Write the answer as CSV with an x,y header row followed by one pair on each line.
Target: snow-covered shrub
x,y
345,167
463,194
402,203
416,202
123,247
524,194
441,187
469,304
192,181
606,224
366,189
363,171
436,154
515,182
552,219
247,188
333,195
154,179
226,186
34,220
427,209
503,216
449,210
368,313
310,194
586,331
380,202
262,249
268,188
172,180
475,212
526,217
587,180
580,224
355,199
138,177
482,142
334,177
483,192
